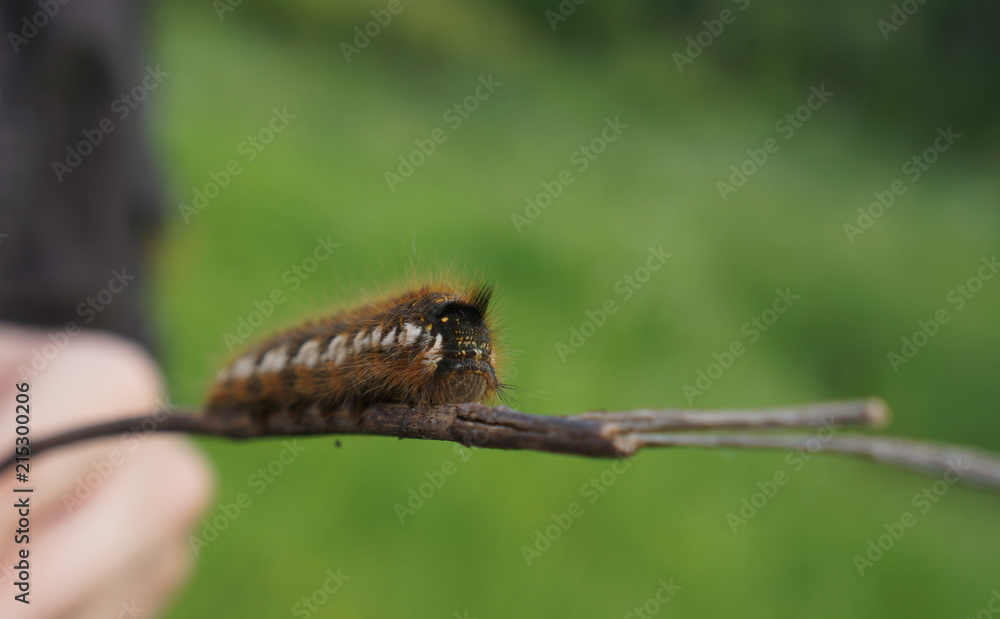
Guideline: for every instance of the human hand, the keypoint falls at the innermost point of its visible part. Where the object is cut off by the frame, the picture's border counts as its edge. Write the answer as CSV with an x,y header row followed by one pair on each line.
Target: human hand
x,y
121,550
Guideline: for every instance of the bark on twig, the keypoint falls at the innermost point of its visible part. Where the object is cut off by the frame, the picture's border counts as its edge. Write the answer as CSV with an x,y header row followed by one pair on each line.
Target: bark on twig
x,y
594,434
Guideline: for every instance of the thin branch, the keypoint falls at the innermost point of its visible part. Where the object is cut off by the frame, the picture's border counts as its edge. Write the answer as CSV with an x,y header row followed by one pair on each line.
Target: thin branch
x,y
872,412
972,466
594,434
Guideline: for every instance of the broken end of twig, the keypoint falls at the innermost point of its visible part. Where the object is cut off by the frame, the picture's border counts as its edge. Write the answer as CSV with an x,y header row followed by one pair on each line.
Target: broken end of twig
x,y
877,412
627,445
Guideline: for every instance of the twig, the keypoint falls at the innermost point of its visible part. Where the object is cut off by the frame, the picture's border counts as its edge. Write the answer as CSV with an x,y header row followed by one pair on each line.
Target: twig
x,y
595,434
975,467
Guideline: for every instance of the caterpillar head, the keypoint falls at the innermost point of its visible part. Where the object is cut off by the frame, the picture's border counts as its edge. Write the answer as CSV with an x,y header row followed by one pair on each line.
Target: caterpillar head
x,y
455,353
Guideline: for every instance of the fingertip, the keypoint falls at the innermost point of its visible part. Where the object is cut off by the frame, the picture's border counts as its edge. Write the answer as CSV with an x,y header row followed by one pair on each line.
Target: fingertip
x,y
189,483
108,357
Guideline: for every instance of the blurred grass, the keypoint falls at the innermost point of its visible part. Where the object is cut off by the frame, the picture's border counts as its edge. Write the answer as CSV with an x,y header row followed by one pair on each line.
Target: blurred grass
x,y
655,186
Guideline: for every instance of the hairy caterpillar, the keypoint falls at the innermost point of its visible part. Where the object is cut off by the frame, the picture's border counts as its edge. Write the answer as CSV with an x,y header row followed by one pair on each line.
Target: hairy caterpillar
x,y
430,345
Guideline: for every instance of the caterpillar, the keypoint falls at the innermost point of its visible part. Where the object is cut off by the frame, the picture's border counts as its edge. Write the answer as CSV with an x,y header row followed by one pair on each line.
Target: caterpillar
x,y
430,345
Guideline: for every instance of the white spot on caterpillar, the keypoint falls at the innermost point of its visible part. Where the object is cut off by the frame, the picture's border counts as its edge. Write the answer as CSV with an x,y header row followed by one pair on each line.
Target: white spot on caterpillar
x,y
243,367
360,341
308,354
437,344
412,333
331,349
274,360
389,339
376,336
336,351
433,354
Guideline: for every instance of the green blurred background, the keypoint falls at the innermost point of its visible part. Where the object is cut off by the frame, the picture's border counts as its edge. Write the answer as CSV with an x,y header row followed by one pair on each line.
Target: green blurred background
x,y
653,186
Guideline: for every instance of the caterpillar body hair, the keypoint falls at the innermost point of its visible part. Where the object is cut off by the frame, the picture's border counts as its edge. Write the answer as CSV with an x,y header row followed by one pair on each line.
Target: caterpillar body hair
x,y
430,345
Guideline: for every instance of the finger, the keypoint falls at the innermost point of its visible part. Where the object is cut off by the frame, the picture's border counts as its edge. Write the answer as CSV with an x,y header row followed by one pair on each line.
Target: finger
x,y
145,587
156,497
94,377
